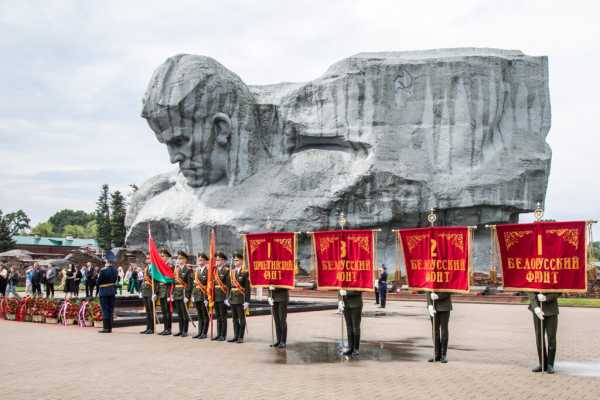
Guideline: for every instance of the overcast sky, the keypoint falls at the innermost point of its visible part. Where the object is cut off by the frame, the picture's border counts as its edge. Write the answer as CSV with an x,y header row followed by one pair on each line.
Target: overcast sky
x,y
73,74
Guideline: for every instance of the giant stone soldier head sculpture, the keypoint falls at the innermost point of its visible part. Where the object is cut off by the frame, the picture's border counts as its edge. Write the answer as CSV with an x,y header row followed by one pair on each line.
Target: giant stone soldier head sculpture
x,y
382,137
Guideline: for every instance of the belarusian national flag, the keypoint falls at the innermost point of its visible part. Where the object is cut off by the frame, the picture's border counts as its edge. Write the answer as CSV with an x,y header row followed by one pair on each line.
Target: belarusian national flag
x,y
159,270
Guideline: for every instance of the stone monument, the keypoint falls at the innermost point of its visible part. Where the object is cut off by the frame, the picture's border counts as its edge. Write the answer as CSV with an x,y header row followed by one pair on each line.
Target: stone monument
x,y
382,137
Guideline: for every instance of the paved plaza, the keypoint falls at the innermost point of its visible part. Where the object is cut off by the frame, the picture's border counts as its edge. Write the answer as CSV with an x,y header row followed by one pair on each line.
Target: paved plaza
x,y
491,351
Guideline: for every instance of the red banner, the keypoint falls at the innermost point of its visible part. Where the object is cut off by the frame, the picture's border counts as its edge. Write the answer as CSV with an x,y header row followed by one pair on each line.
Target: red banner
x,y
543,256
271,259
437,258
345,259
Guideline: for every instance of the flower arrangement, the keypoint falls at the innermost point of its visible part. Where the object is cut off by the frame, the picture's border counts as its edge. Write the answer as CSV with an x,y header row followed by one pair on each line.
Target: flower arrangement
x,y
85,316
11,306
50,311
37,310
24,312
96,311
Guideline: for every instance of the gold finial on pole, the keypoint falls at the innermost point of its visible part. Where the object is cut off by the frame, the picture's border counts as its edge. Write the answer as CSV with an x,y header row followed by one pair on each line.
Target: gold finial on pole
x,y
342,220
538,212
431,217
269,223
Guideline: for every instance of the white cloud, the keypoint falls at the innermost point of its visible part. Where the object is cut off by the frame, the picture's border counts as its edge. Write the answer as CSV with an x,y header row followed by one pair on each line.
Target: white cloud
x,y
74,74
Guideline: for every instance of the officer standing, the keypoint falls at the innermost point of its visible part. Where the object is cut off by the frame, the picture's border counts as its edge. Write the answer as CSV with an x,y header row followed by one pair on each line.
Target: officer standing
x,y
439,307
146,294
200,295
182,292
165,292
106,282
278,300
220,278
351,305
544,308
382,285
239,297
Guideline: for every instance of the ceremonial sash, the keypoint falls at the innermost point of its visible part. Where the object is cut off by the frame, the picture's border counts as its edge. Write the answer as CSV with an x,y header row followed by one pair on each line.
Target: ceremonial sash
x,y
199,285
220,282
178,281
236,283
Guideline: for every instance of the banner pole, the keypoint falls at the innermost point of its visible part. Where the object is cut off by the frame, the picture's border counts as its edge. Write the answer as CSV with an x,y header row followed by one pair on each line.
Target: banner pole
x,y
342,222
542,335
269,227
432,218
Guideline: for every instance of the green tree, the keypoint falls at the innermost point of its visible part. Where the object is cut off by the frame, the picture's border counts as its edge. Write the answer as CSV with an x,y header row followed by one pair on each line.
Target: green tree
x,y
43,229
17,222
66,217
91,230
104,235
117,221
6,240
77,231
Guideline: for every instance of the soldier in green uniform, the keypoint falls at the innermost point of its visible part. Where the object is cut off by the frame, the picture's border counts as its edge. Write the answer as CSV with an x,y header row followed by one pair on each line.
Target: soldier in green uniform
x,y
439,306
278,300
351,305
182,292
239,297
220,277
146,295
544,308
200,295
165,295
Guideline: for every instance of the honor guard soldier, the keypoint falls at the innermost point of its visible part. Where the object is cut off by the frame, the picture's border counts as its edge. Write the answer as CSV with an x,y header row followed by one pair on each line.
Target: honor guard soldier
x,y
106,281
239,297
200,295
146,294
165,293
351,305
182,292
278,300
544,308
439,306
220,277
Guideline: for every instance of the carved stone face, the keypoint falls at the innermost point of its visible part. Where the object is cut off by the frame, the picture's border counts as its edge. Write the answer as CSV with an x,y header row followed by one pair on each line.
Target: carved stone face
x,y
193,104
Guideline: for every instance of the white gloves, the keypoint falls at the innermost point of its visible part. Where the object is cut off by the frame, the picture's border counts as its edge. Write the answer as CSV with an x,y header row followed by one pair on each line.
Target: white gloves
x,y
270,300
434,296
541,297
271,287
171,299
431,311
246,305
340,306
153,297
226,302
343,292
205,303
185,300
140,295
538,311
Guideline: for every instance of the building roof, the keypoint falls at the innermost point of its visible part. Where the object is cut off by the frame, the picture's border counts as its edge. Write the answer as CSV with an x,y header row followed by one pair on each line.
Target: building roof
x,y
54,241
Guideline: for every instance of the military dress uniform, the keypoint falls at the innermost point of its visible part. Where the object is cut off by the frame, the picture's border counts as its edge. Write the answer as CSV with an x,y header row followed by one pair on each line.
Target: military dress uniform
x,y
200,298
239,295
106,282
146,291
442,307
353,305
182,290
280,298
220,278
549,324
164,294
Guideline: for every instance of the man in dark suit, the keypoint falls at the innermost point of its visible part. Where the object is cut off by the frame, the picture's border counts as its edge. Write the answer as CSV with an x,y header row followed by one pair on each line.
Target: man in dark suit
x,y
544,308
382,286
36,280
351,305
106,282
220,278
439,306
239,297
278,300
